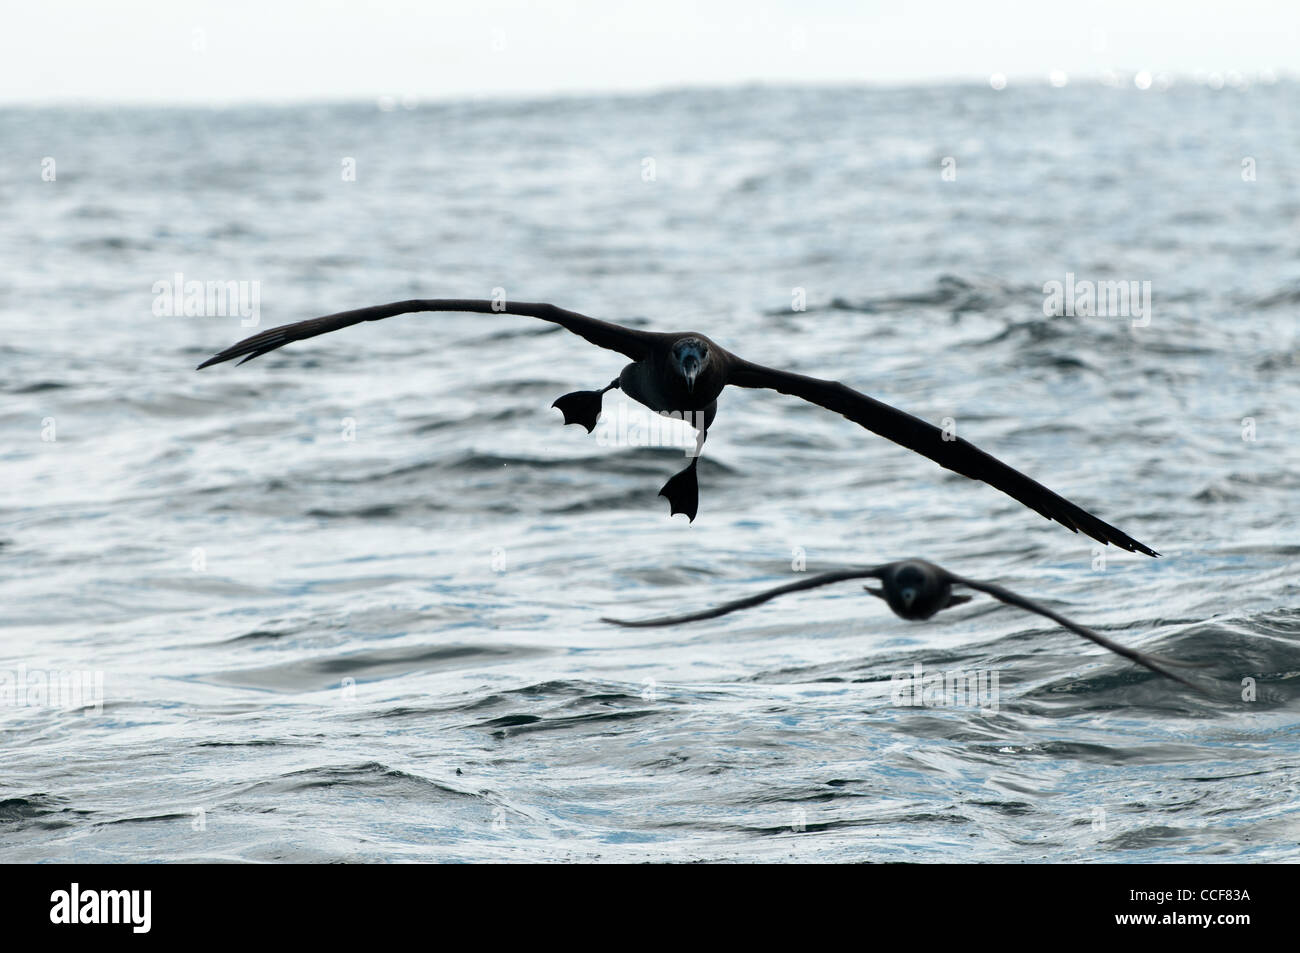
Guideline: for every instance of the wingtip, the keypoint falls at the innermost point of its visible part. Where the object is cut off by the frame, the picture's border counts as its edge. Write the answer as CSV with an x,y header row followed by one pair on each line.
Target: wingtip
x,y
1136,547
214,359
1124,541
630,623
1102,532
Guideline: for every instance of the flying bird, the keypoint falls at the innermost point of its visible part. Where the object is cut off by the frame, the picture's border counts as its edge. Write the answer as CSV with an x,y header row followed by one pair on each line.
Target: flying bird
x,y
683,373
916,589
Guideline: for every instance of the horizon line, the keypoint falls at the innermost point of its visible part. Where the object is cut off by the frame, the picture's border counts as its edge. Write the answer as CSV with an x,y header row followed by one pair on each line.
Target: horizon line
x,y
1227,80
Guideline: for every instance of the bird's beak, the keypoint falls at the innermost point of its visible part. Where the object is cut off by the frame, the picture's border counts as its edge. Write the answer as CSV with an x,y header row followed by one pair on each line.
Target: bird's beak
x,y
909,596
691,370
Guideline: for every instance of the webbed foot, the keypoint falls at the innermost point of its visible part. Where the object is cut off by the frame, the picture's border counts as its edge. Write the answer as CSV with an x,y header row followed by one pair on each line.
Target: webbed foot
x,y
683,493
581,407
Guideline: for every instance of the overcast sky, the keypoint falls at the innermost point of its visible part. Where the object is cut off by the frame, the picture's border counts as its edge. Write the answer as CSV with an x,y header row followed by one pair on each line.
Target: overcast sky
x,y
239,50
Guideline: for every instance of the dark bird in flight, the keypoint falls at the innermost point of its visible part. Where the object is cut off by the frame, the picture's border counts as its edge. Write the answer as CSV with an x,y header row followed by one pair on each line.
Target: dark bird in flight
x,y
916,589
683,373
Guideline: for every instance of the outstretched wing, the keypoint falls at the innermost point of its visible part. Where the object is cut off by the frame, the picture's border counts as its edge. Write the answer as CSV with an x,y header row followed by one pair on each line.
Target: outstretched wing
x,y
955,454
635,344
810,583
1014,599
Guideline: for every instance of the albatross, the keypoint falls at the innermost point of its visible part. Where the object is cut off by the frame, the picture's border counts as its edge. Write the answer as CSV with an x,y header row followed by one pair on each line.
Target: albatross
x,y
683,373
915,589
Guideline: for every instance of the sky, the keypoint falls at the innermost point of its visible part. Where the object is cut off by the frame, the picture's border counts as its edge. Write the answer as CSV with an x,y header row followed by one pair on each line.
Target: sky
x,y
292,50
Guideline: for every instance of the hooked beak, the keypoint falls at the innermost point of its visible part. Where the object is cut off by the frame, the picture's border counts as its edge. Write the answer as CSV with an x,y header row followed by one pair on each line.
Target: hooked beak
x,y
690,370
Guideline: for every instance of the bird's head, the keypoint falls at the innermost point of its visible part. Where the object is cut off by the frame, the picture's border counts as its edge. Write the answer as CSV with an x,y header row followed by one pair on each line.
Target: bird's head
x,y
917,590
911,584
689,357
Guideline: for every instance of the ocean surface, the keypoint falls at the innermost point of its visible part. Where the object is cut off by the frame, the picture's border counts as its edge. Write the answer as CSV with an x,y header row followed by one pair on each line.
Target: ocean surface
x,y
342,603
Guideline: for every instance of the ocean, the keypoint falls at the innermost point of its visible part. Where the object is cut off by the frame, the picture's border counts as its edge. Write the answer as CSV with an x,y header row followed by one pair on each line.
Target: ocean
x,y
342,603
